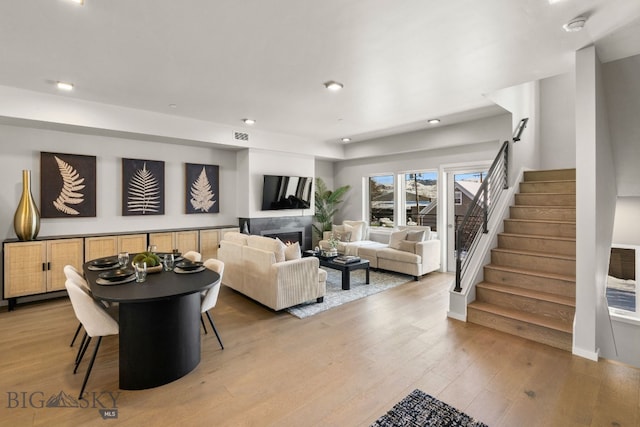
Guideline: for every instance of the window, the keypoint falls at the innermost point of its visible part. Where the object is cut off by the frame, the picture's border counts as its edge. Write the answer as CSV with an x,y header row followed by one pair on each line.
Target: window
x,y
622,295
421,197
381,200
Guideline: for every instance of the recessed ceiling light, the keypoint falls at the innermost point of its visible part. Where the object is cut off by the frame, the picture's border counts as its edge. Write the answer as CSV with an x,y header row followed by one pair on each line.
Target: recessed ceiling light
x,y
64,86
249,122
78,1
333,86
576,24
434,121
173,106
345,140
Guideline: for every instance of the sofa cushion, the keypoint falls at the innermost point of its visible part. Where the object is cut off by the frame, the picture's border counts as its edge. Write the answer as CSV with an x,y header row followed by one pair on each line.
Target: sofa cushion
x,y
234,236
416,236
407,246
342,236
292,251
401,256
358,229
396,237
268,244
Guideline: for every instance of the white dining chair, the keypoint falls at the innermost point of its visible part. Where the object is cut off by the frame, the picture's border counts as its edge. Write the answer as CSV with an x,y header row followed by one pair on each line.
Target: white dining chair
x,y
71,273
96,322
192,256
210,296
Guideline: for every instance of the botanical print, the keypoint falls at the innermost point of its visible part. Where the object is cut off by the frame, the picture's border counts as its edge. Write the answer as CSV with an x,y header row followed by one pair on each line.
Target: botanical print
x,y
142,187
202,188
68,184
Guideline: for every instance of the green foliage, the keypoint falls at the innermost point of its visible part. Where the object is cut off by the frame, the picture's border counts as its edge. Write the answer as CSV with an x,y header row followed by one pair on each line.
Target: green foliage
x,y
326,203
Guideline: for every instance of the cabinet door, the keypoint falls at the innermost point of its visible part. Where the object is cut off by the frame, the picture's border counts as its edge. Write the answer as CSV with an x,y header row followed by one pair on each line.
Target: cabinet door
x,y
100,247
187,241
60,253
132,243
209,241
162,241
24,268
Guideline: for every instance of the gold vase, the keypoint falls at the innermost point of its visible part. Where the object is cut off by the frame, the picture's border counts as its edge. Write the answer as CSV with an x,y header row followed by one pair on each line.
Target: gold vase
x,y
26,220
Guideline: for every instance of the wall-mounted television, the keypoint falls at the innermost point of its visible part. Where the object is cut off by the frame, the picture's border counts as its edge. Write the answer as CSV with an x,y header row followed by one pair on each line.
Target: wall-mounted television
x,y
286,192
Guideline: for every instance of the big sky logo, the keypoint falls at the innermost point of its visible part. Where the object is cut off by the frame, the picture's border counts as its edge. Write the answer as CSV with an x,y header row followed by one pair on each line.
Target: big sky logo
x,y
106,402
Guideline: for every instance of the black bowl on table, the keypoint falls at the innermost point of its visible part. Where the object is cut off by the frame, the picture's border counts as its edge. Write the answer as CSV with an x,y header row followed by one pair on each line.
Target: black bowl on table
x,y
115,275
187,265
104,262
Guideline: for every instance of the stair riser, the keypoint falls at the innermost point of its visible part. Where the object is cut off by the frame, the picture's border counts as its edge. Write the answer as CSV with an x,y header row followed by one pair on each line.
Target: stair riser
x,y
560,187
535,283
538,263
538,199
537,244
525,330
543,213
550,310
550,175
540,229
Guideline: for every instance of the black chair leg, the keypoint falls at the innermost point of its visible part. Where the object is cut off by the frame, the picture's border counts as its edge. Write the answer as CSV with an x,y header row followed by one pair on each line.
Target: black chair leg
x,y
81,355
93,359
76,334
82,343
214,329
203,325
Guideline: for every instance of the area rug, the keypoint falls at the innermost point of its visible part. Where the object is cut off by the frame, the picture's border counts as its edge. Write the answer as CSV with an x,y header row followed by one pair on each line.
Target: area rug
x,y
419,409
378,281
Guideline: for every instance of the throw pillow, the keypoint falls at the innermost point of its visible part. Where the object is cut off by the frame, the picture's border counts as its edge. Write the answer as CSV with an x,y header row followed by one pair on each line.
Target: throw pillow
x,y
292,251
337,228
344,236
407,246
358,232
416,236
396,237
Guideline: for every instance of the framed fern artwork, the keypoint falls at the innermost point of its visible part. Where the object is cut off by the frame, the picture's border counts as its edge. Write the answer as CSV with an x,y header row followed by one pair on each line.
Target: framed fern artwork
x,y
67,185
142,187
202,188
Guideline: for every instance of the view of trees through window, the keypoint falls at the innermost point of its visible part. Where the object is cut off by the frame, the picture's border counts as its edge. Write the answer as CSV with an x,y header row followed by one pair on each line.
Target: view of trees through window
x,y
421,199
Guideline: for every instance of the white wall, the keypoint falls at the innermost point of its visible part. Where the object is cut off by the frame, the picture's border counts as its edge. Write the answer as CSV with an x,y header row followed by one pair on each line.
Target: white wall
x,y
595,206
20,149
522,101
255,164
625,229
324,170
557,122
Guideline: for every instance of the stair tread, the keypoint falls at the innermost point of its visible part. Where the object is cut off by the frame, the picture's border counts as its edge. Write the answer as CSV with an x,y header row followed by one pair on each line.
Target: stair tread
x,y
534,253
523,316
539,236
545,206
532,272
529,293
542,221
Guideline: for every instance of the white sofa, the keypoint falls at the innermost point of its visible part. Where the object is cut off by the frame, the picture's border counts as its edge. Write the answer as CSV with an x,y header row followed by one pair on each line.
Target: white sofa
x,y
412,250
269,272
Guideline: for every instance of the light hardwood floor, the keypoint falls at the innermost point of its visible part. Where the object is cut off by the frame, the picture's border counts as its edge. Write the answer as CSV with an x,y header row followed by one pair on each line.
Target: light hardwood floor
x,y
343,367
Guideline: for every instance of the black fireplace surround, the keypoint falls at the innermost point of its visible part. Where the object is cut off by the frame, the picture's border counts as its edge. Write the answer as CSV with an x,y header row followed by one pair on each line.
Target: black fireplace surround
x,y
286,228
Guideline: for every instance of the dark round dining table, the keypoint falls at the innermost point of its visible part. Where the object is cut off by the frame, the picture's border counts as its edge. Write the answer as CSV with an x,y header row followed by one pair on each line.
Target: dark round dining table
x,y
159,320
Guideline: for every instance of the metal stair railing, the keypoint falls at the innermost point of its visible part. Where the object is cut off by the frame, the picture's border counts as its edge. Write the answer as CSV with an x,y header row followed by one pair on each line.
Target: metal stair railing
x,y
476,220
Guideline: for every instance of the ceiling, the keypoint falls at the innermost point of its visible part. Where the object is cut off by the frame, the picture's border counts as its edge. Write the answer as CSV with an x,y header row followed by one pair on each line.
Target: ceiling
x,y
401,63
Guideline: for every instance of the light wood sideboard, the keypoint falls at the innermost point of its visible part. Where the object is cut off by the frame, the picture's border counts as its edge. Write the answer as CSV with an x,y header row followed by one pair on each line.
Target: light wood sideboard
x,y
36,267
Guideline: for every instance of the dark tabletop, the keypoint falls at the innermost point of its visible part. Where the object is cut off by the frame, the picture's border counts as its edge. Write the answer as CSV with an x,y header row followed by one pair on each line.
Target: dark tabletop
x,y
158,285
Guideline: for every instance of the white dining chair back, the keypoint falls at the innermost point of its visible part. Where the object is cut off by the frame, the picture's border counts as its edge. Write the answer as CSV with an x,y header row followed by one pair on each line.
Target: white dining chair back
x,y
192,256
210,298
95,320
72,273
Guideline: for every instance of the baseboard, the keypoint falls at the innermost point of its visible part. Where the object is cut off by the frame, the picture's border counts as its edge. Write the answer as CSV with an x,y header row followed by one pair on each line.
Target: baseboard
x,y
587,354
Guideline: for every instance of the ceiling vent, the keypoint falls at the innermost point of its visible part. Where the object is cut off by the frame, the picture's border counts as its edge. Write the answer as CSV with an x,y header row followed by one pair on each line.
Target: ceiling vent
x,y
240,136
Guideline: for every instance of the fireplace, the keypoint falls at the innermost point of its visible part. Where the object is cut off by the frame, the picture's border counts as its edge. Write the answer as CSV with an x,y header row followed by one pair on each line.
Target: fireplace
x,y
286,228
287,235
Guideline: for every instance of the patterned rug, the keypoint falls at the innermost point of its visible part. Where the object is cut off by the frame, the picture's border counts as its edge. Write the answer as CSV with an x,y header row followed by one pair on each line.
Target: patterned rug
x,y
419,409
378,281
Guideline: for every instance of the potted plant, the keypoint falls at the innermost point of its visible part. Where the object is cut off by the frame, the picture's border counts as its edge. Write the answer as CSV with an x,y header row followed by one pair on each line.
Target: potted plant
x,y
326,203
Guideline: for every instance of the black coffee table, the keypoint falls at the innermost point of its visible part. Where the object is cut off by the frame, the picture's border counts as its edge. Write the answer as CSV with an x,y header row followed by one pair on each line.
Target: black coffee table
x,y
346,269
